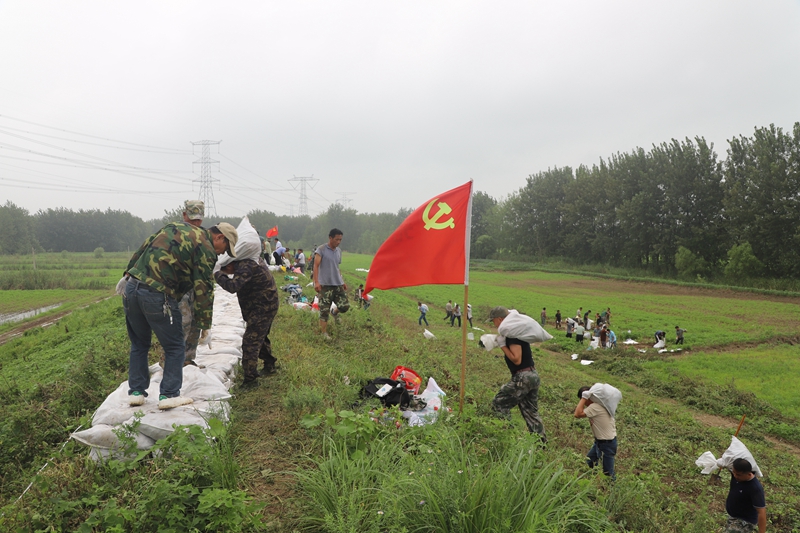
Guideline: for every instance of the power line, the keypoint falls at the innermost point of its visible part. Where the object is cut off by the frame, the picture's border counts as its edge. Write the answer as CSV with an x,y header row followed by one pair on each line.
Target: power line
x,y
90,143
95,136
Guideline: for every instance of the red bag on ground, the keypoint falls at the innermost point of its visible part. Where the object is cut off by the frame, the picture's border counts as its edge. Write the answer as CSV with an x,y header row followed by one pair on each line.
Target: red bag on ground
x,y
409,377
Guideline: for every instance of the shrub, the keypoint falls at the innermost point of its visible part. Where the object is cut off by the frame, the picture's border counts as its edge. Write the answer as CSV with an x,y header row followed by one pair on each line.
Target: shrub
x,y
98,252
742,262
689,265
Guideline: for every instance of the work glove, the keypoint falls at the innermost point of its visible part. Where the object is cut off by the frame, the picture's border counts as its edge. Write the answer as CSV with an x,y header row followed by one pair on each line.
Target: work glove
x,y
121,284
500,340
203,337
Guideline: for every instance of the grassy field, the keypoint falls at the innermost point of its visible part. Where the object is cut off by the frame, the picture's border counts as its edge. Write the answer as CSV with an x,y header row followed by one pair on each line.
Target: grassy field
x,y
771,372
456,475
62,271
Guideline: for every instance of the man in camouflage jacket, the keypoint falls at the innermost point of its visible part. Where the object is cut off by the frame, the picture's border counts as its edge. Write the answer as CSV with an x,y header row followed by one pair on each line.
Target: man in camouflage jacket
x,y
173,261
255,288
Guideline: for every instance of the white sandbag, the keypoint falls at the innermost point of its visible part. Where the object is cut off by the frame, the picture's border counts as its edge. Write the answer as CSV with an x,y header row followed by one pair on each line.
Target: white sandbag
x,y
522,327
707,462
586,362
160,424
198,386
225,336
301,306
606,395
660,344
103,436
428,334
574,357
220,349
630,341
248,244
220,375
589,323
214,409
115,409
223,363
489,342
737,450
595,344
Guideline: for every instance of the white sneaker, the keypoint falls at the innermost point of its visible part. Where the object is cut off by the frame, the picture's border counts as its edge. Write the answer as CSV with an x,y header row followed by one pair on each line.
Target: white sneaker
x,y
135,398
171,403
326,336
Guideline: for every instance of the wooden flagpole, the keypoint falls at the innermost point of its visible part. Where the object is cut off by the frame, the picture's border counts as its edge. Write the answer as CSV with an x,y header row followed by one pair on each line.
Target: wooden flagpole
x,y
464,310
463,350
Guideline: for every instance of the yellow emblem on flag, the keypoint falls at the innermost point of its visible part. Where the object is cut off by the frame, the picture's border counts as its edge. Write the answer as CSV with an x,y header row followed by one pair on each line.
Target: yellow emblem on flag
x,y
433,222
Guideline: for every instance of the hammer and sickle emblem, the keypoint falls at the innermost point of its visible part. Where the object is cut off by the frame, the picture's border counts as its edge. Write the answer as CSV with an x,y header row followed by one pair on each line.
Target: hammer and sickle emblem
x,y
433,222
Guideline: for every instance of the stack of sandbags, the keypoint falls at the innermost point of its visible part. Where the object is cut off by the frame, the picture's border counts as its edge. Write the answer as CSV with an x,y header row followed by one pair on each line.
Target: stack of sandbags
x,y
207,385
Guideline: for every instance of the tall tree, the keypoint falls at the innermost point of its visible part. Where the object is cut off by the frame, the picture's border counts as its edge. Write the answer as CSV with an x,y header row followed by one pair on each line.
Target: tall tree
x,y
763,199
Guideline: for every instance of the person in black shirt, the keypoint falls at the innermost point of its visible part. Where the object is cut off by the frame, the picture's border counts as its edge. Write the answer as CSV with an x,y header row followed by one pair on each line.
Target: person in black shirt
x,y
523,389
745,504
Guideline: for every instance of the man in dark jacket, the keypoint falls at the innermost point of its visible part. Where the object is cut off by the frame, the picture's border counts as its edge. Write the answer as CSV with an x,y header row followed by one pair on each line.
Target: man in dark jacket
x,y
258,298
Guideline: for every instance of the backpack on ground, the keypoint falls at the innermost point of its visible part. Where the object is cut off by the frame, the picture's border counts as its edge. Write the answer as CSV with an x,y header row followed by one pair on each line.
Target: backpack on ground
x,y
395,392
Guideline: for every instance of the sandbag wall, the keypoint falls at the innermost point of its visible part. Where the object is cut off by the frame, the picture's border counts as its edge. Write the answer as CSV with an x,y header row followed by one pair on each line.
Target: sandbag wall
x,y
207,385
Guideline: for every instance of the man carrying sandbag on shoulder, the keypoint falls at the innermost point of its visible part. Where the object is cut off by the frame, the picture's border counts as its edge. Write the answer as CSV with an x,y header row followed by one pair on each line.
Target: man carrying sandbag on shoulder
x,y
515,333
599,404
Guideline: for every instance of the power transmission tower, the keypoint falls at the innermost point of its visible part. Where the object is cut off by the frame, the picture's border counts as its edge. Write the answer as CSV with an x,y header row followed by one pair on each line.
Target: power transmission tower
x,y
206,181
303,196
344,201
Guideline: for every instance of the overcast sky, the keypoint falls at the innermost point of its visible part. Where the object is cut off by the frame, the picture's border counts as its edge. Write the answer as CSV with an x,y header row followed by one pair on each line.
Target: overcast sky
x,y
386,104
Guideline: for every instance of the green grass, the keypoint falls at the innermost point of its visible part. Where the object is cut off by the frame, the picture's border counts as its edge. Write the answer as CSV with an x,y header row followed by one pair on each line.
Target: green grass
x,y
772,373
658,486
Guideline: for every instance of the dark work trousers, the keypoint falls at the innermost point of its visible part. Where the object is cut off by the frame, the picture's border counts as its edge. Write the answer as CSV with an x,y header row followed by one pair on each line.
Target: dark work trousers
x,y
256,345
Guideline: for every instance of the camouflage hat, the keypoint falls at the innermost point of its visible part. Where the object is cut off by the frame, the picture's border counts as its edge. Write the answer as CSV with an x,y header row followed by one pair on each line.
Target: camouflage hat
x,y
230,233
194,209
498,312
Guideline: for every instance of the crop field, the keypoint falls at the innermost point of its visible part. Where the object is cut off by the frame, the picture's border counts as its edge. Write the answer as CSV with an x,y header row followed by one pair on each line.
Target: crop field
x,y
345,472
62,271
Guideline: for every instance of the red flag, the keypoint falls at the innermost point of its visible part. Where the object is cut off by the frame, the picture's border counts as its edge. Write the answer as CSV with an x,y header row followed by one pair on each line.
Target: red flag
x,y
429,247
272,232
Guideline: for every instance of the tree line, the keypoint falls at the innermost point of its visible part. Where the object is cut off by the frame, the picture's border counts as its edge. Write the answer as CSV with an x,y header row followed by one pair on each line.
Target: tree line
x,y
676,209
56,230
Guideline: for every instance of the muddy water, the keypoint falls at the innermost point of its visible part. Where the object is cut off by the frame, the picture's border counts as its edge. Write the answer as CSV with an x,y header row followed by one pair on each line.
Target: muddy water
x,y
16,317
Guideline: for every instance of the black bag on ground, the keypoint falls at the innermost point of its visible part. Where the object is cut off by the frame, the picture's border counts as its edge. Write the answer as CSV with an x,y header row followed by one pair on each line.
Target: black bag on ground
x,y
398,395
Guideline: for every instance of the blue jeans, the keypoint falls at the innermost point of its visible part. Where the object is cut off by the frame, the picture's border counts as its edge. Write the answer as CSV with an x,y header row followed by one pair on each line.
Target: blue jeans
x,y
605,451
421,318
144,315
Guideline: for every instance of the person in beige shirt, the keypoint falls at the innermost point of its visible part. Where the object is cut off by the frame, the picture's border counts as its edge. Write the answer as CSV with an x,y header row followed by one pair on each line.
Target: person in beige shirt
x,y
604,429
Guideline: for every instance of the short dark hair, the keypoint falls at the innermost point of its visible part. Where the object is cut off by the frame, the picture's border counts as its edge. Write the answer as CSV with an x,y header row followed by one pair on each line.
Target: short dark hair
x,y
334,232
581,391
742,465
